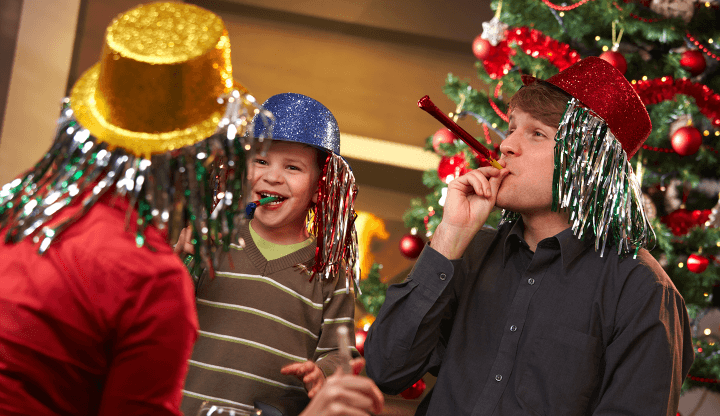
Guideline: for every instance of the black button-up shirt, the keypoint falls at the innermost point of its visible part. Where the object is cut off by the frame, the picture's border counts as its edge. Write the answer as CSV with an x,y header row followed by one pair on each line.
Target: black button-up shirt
x,y
561,331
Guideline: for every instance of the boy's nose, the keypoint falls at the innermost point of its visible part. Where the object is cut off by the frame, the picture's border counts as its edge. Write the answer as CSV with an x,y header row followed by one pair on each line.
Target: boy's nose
x,y
273,175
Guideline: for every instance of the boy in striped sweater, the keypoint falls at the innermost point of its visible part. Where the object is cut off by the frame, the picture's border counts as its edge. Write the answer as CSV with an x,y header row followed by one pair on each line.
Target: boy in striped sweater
x,y
269,317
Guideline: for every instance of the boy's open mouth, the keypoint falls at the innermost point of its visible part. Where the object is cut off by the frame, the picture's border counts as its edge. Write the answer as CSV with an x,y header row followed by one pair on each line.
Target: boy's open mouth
x,y
277,202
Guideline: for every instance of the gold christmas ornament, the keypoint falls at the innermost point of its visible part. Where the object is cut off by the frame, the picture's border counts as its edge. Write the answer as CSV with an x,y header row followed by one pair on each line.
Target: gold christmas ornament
x,y
171,99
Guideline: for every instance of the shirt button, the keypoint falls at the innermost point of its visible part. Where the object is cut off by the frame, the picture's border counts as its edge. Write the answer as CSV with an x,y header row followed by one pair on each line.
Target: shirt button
x,y
531,281
443,276
513,328
498,377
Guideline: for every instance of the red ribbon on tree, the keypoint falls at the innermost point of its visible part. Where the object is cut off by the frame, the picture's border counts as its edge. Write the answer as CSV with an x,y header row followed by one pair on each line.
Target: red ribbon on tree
x,y
657,90
534,43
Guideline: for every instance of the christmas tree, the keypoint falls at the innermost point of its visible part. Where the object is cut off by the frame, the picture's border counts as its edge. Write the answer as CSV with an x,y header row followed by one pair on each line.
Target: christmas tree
x,y
669,51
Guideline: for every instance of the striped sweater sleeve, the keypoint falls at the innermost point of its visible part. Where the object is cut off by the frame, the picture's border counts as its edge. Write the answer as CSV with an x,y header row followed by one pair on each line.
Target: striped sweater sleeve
x,y
338,310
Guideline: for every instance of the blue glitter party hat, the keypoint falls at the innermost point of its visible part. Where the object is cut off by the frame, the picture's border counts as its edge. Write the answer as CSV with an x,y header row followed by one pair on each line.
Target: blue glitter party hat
x,y
299,118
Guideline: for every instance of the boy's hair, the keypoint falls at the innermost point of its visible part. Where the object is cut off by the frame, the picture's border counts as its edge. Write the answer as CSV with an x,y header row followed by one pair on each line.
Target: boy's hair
x,y
542,101
320,159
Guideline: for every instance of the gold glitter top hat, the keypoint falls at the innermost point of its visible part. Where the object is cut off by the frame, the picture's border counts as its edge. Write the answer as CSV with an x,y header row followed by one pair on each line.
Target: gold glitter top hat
x,y
156,87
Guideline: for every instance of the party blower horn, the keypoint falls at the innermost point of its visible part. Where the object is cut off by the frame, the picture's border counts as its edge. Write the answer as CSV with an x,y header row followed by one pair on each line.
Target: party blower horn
x,y
250,208
426,104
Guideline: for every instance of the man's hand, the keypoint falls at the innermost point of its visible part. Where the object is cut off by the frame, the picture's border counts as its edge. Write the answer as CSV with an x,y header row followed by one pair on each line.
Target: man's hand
x,y
469,201
184,245
309,373
347,395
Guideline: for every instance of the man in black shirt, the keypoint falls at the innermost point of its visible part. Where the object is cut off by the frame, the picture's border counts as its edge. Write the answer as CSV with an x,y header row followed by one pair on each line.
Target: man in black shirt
x,y
561,311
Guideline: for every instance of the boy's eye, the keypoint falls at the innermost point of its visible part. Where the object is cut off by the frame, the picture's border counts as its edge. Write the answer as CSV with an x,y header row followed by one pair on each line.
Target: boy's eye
x,y
261,161
293,167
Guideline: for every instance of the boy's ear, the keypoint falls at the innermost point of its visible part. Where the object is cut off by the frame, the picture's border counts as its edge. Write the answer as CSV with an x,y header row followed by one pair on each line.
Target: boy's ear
x,y
315,196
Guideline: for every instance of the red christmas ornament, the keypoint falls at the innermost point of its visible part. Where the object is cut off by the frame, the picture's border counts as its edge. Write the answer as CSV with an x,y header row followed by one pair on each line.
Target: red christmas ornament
x,y
451,167
686,140
411,246
414,391
697,263
442,136
482,48
694,61
360,336
681,220
615,59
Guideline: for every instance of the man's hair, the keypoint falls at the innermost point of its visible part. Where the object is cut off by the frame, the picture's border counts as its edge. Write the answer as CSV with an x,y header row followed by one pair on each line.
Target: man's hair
x,y
542,101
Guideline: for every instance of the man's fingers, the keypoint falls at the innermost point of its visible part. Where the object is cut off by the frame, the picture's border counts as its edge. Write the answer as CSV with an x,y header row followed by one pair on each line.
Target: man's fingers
x,y
361,392
475,182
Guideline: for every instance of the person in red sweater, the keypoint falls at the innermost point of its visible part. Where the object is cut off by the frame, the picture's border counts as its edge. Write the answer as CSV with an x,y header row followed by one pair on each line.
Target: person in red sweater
x,y
97,313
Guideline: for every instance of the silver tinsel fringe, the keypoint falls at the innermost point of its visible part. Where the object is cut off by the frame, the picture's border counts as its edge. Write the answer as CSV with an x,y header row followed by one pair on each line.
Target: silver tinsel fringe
x,y
200,184
594,181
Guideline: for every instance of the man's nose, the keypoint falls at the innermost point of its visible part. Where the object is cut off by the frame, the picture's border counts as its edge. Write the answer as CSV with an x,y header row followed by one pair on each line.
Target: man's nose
x,y
509,146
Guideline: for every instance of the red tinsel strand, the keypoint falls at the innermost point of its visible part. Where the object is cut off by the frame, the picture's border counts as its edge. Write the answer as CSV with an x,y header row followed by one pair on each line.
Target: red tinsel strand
x,y
703,379
486,130
565,8
702,47
318,224
657,149
642,19
498,112
333,222
497,89
495,107
711,149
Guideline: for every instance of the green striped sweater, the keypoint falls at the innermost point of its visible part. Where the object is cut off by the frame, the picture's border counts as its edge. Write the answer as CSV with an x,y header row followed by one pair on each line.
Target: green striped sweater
x,y
257,316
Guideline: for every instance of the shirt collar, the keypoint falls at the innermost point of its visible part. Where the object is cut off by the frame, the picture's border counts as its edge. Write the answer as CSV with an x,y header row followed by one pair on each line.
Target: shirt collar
x,y
570,246
513,238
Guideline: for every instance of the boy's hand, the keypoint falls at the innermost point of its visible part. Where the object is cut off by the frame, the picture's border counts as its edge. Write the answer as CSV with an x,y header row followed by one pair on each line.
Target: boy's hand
x,y
309,373
184,245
